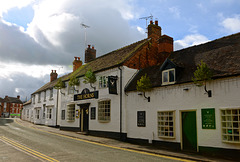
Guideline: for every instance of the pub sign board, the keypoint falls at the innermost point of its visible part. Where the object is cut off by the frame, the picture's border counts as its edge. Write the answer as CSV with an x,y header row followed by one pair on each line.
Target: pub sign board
x,y
141,118
208,118
112,84
86,94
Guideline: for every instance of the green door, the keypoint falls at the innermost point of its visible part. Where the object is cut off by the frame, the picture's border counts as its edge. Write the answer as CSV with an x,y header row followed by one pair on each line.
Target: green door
x,y
189,131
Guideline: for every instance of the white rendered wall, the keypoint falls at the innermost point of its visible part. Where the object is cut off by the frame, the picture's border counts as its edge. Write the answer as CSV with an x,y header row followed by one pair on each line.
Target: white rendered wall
x,y
225,94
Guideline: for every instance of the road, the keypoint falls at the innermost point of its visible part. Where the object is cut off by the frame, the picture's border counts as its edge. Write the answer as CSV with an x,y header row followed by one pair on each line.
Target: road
x,y
22,144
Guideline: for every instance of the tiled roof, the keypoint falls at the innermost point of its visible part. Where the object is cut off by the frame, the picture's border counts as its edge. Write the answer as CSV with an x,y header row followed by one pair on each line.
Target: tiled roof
x,y
13,100
110,60
50,85
1,100
222,56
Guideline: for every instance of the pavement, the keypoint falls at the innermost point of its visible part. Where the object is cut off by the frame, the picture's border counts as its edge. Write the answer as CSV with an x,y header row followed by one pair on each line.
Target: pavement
x,y
125,145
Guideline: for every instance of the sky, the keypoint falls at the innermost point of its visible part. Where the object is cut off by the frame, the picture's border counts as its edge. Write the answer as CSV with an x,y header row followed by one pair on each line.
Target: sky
x,y
37,36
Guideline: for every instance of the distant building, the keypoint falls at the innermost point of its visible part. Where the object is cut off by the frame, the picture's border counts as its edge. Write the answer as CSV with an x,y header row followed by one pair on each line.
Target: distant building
x,y
11,107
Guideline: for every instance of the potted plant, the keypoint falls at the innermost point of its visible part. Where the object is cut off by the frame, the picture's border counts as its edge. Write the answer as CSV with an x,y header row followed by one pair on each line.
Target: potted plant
x,y
202,75
90,78
143,85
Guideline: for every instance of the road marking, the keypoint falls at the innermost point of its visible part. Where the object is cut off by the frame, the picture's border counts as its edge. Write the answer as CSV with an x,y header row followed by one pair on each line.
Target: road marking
x,y
28,150
114,147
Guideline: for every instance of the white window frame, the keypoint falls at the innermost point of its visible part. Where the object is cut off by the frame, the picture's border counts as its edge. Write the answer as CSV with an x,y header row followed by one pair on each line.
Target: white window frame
x,y
166,124
63,114
104,110
51,94
49,112
103,81
168,77
71,112
70,89
44,96
37,113
39,97
230,119
44,111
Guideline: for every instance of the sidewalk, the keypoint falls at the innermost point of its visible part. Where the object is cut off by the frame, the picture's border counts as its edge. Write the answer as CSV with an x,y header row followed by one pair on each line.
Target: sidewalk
x,y
117,143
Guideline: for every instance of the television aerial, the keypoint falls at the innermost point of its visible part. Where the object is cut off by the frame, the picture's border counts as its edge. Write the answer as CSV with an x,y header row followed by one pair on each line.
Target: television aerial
x,y
146,18
85,26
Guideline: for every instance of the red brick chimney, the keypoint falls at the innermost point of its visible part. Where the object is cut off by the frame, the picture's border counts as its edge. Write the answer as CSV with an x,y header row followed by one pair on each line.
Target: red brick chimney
x,y
53,75
154,31
165,44
90,54
18,97
76,63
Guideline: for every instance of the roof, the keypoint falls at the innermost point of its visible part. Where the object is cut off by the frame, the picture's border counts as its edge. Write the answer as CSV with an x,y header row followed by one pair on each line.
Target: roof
x,y
222,56
107,61
50,85
28,102
12,100
1,100
110,60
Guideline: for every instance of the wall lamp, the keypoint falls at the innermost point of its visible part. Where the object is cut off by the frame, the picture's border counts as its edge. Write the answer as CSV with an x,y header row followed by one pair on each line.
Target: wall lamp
x,y
143,93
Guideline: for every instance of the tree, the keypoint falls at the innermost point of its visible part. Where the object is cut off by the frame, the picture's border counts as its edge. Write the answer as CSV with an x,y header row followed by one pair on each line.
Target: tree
x,y
90,78
202,75
143,85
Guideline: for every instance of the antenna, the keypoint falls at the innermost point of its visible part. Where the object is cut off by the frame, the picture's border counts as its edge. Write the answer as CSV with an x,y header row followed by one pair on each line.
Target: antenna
x,y
85,26
146,18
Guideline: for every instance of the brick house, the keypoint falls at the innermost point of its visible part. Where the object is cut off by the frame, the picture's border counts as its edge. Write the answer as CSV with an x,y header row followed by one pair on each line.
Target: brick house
x,y
11,106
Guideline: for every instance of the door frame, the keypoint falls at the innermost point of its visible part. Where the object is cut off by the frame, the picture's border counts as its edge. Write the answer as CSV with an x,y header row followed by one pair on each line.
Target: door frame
x,y
181,126
83,107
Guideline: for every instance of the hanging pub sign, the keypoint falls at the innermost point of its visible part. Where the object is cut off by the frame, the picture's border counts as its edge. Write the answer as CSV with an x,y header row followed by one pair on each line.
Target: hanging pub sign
x,y
86,94
112,84
208,118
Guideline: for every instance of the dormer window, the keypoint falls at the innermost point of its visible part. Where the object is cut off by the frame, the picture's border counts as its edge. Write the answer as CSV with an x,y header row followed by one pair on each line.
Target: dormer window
x,y
168,76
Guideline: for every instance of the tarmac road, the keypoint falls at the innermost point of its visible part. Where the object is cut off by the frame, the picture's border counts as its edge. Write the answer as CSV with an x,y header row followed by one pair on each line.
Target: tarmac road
x,y
23,141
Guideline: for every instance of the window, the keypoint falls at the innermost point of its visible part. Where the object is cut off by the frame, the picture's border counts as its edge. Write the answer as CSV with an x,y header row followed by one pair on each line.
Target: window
x,y
70,90
49,113
27,113
166,125
63,115
103,82
231,125
71,112
33,99
37,114
168,76
51,93
104,110
44,95
44,107
39,97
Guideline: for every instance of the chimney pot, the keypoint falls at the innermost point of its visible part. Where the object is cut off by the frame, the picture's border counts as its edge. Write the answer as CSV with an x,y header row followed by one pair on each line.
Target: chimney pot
x,y
92,46
89,46
53,75
18,97
156,22
151,22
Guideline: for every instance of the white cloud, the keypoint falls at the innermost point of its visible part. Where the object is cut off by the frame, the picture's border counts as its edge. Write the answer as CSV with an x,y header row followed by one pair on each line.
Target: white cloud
x,y
190,40
231,24
141,30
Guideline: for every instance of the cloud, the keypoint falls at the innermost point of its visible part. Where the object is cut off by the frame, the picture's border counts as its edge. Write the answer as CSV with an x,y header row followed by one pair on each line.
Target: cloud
x,y
20,84
231,24
6,5
190,40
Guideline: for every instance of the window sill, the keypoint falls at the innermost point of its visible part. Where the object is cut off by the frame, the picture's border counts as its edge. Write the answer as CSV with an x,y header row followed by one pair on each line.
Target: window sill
x,y
166,137
50,99
168,83
104,121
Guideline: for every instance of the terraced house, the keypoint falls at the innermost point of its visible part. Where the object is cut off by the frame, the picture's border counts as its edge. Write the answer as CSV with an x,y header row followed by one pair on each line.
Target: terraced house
x,y
185,116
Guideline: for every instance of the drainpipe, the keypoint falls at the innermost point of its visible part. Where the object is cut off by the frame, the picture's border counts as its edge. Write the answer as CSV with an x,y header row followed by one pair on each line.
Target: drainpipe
x,y
121,138
57,107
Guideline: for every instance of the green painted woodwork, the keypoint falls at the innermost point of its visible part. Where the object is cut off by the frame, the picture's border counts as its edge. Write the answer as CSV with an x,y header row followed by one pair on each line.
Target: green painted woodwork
x,y
189,131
